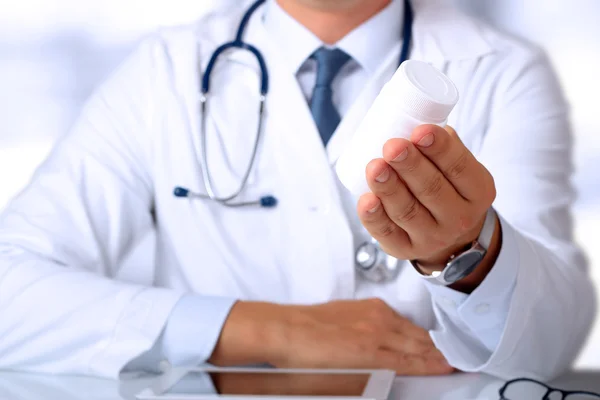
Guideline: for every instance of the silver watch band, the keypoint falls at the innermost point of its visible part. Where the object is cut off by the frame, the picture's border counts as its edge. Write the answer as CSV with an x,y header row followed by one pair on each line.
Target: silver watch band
x,y
481,245
487,232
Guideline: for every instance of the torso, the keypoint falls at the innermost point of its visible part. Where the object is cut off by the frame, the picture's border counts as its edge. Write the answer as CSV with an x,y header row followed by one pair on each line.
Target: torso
x,y
303,250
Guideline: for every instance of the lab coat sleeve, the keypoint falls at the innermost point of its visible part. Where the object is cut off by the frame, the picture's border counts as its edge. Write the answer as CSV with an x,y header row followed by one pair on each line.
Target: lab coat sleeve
x,y
190,335
481,316
532,313
63,238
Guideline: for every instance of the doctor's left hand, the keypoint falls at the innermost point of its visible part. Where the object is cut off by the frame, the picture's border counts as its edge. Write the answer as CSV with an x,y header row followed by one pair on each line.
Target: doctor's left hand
x,y
429,198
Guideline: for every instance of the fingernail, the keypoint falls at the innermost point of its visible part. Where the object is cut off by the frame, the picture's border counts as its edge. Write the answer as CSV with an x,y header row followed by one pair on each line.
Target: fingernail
x,y
372,210
426,141
384,176
401,156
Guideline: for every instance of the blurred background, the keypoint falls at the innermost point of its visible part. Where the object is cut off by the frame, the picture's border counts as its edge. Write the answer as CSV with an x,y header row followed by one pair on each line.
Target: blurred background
x,y
54,52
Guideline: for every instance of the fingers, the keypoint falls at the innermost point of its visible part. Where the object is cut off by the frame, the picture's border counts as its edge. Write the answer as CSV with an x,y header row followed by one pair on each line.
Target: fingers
x,y
391,213
399,203
323,336
407,328
423,178
404,343
401,336
411,364
379,225
444,149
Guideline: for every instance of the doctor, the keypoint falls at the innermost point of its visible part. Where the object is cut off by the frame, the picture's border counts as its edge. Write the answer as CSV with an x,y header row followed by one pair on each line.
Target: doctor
x,y
234,282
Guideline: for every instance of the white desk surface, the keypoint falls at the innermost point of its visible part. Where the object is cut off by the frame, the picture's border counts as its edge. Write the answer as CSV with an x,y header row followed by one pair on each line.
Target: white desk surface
x,y
21,386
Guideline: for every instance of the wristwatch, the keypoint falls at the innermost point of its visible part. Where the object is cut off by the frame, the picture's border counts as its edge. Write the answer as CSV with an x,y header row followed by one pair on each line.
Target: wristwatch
x,y
463,263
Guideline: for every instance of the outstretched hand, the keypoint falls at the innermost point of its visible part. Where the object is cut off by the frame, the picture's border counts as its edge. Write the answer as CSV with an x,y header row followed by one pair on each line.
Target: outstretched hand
x,y
429,196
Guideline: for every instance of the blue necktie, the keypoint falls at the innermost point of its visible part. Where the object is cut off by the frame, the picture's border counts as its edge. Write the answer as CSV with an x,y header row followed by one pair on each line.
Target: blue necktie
x,y
329,63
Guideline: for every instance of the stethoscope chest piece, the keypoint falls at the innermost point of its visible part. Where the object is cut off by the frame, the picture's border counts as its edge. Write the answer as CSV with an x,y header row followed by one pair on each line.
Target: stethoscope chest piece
x,y
374,264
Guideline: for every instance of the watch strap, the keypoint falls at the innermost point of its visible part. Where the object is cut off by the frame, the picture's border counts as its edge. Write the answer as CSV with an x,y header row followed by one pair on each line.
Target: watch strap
x,y
487,231
482,242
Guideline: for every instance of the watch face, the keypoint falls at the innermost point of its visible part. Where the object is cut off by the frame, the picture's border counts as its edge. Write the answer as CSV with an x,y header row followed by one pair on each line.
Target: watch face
x,y
463,265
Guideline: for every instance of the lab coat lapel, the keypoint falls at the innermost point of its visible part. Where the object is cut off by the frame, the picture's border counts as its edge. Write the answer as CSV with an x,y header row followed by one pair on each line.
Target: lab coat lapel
x,y
318,241
287,112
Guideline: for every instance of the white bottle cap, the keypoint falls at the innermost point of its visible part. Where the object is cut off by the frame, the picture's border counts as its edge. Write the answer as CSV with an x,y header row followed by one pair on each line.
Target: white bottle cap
x,y
427,94
417,94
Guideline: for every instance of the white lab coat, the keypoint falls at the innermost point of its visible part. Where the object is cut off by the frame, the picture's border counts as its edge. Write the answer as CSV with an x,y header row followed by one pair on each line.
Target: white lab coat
x,y
110,181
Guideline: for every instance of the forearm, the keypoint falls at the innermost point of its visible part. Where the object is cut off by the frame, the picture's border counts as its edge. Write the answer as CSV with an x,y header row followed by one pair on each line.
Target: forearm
x,y
62,319
552,310
252,334
539,304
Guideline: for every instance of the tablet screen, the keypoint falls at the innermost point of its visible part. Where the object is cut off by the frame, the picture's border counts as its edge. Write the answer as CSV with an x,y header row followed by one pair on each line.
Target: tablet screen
x,y
270,384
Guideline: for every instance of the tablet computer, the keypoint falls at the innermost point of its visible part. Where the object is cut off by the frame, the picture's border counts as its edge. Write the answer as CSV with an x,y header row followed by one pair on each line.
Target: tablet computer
x,y
212,383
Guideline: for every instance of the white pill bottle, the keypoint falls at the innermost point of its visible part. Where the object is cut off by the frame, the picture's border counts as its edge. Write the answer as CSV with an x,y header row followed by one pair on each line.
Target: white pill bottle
x,y
417,94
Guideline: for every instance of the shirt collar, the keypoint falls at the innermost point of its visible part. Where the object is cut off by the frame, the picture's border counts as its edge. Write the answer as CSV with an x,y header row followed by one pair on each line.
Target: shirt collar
x,y
440,33
368,44
292,37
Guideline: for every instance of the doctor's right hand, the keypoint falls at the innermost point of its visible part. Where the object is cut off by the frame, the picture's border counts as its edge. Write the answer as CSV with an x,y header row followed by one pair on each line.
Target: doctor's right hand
x,y
341,334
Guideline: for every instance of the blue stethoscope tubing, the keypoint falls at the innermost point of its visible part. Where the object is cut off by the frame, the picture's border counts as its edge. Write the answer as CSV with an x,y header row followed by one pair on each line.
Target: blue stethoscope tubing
x,y
268,201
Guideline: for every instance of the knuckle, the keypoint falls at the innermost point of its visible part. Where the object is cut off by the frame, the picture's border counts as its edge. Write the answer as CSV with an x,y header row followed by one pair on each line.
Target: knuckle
x,y
386,230
441,239
389,190
376,318
487,193
368,344
466,223
491,191
364,326
377,313
416,346
409,213
412,166
451,131
396,250
376,302
433,187
405,365
438,247
359,343
458,167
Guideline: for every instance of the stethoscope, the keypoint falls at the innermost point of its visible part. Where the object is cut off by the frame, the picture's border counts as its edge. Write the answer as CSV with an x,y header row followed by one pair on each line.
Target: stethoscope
x,y
370,259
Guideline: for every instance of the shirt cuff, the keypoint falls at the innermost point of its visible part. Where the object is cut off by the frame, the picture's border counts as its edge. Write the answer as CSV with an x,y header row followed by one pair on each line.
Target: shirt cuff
x,y
482,315
194,384
193,329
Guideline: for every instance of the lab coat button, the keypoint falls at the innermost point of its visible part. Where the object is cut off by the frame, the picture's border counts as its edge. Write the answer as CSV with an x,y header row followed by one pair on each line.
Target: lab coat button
x,y
164,366
482,309
448,302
